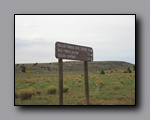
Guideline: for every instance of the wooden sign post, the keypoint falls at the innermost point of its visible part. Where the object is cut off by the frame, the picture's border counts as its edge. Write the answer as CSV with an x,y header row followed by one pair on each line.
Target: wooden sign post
x,y
86,82
60,64
73,52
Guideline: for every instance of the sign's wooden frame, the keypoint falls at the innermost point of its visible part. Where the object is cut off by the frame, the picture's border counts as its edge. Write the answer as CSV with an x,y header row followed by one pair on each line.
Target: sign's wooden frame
x,y
73,52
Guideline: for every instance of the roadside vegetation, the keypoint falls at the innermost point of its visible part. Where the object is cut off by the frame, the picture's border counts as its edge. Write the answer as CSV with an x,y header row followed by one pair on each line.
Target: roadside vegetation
x,y
114,87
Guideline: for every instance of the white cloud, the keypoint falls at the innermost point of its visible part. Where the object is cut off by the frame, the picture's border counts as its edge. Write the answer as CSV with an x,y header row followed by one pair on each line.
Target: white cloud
x,y
112,37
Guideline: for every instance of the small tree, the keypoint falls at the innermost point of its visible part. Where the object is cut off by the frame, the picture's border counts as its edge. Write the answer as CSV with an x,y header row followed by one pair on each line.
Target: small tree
x,y
35,64
23,69
128,70
102,72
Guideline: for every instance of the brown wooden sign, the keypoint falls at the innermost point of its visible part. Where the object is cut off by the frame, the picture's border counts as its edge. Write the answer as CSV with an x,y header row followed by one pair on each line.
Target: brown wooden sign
x,y
73,52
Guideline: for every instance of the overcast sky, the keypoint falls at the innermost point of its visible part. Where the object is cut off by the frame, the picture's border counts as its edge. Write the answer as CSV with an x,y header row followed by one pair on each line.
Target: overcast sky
x,y
112,37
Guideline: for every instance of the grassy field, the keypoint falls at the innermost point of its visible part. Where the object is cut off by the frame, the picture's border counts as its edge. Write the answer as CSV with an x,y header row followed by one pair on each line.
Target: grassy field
x,y
115,87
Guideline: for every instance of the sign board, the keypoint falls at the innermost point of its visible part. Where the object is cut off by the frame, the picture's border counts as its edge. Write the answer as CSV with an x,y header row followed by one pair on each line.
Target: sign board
x,y
73,52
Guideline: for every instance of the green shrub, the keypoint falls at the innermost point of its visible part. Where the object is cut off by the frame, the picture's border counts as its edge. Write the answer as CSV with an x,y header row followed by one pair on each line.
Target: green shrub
x,y
65,89
98,83
79,81
26,93
38,92
23,68
35,64
31,81
52,89
128,70
116,86
33,90
121,81
102,72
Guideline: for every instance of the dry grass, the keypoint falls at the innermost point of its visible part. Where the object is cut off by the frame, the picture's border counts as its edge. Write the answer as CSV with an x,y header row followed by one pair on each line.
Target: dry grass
x,y
24,94
125,101
51,89
65,88
114,88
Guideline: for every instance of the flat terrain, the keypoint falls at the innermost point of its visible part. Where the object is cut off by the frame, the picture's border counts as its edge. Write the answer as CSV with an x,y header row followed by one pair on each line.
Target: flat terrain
x,y
115,87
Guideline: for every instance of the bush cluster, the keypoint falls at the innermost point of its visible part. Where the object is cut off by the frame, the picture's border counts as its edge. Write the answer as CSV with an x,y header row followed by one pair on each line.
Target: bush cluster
x,y
38,92
102,72
52,89
24,94
65,88
116,86
23,68
128,70
98,83
35,64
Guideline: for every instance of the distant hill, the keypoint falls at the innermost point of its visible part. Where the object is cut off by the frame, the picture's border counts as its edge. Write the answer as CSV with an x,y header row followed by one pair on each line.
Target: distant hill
x,y
74,66
97,65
